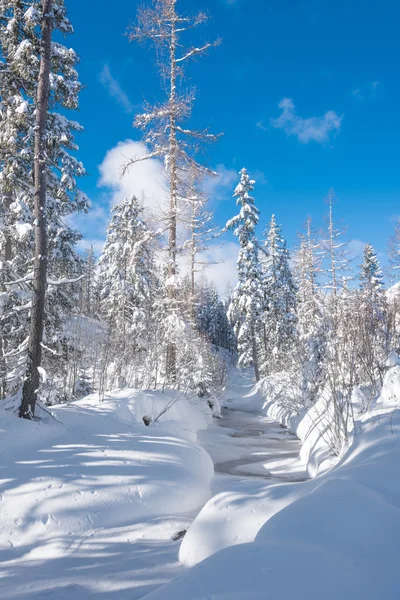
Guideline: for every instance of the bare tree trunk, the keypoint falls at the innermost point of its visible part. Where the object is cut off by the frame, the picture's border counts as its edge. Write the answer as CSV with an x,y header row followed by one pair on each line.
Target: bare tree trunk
x,y
255,354
171,350
31,385
193,267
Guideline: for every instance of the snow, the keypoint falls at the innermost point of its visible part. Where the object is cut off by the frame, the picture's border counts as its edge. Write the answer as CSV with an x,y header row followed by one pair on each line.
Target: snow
x,y
334,536
23,229
86,497
90,502
392,294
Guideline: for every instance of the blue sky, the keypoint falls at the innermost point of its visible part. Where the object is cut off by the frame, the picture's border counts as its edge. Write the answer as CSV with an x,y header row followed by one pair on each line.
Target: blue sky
x,y
334,61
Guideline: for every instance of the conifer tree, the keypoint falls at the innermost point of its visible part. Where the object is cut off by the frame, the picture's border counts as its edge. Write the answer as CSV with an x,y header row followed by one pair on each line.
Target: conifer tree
x,y
246,303
279,294
36,76
126,283
373,333
309,314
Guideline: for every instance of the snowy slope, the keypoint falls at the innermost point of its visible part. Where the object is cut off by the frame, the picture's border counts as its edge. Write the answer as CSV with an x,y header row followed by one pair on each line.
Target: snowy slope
x,y
79,497
336,536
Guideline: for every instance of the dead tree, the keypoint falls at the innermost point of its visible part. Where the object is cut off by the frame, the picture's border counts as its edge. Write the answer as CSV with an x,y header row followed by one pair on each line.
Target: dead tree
x,y
166,135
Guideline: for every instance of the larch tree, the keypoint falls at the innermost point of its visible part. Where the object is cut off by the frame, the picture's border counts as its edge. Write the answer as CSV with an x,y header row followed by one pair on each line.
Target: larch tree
x,y
166,134
246,303
201,232
335,255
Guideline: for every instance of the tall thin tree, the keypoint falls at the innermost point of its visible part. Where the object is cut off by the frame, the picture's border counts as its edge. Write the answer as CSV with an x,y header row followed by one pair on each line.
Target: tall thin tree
x,y
166,135
31,385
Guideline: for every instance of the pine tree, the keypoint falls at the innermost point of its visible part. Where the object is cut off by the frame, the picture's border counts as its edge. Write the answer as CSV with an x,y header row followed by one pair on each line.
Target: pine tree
x,y
279,293
247,300
126,282
309,314
372,330
25,39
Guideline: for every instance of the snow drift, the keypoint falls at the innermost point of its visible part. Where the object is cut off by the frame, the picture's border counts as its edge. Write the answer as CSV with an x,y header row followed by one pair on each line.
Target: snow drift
x,y
333,536
95,473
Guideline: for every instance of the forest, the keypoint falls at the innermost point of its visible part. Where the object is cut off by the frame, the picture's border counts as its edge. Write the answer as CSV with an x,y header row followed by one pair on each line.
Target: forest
x,y
136,343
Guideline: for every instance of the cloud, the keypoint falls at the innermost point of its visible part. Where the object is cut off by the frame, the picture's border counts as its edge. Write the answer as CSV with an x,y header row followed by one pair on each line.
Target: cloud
x,y
145,179
220,266
114,89
92,225
355,250
218,188
261,125
366,90
317,129
96,244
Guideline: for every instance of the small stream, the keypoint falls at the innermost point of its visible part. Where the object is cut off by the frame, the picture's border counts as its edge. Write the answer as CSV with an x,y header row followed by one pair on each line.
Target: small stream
x,y
247,444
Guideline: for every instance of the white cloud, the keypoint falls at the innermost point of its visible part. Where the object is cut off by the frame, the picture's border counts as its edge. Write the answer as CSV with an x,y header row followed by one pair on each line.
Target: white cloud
x,y
355,250
317,129
114,89
221,266
219,187
145,179
96,244
261,125
366,90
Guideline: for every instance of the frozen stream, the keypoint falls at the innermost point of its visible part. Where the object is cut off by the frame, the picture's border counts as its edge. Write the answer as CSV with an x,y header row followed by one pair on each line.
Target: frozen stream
x,y
247,444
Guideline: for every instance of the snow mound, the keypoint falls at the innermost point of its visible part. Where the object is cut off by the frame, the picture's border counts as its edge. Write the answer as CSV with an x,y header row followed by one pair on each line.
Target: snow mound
x,y
96,469
336,536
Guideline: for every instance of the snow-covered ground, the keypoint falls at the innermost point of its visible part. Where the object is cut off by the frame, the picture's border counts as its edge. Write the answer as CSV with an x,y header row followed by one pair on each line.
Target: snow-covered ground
x,y
89,505
335,536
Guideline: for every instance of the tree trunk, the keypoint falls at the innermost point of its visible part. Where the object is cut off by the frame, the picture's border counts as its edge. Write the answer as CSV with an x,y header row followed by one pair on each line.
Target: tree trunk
x,y
31,385
255,354
171,349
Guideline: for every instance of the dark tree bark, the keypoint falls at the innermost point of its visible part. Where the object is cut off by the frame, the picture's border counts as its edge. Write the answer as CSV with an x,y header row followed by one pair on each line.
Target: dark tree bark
x,y
31,385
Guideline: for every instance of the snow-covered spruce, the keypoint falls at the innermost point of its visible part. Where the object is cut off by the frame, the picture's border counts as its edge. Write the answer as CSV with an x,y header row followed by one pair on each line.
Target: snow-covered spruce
x,y
20,38
247,302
